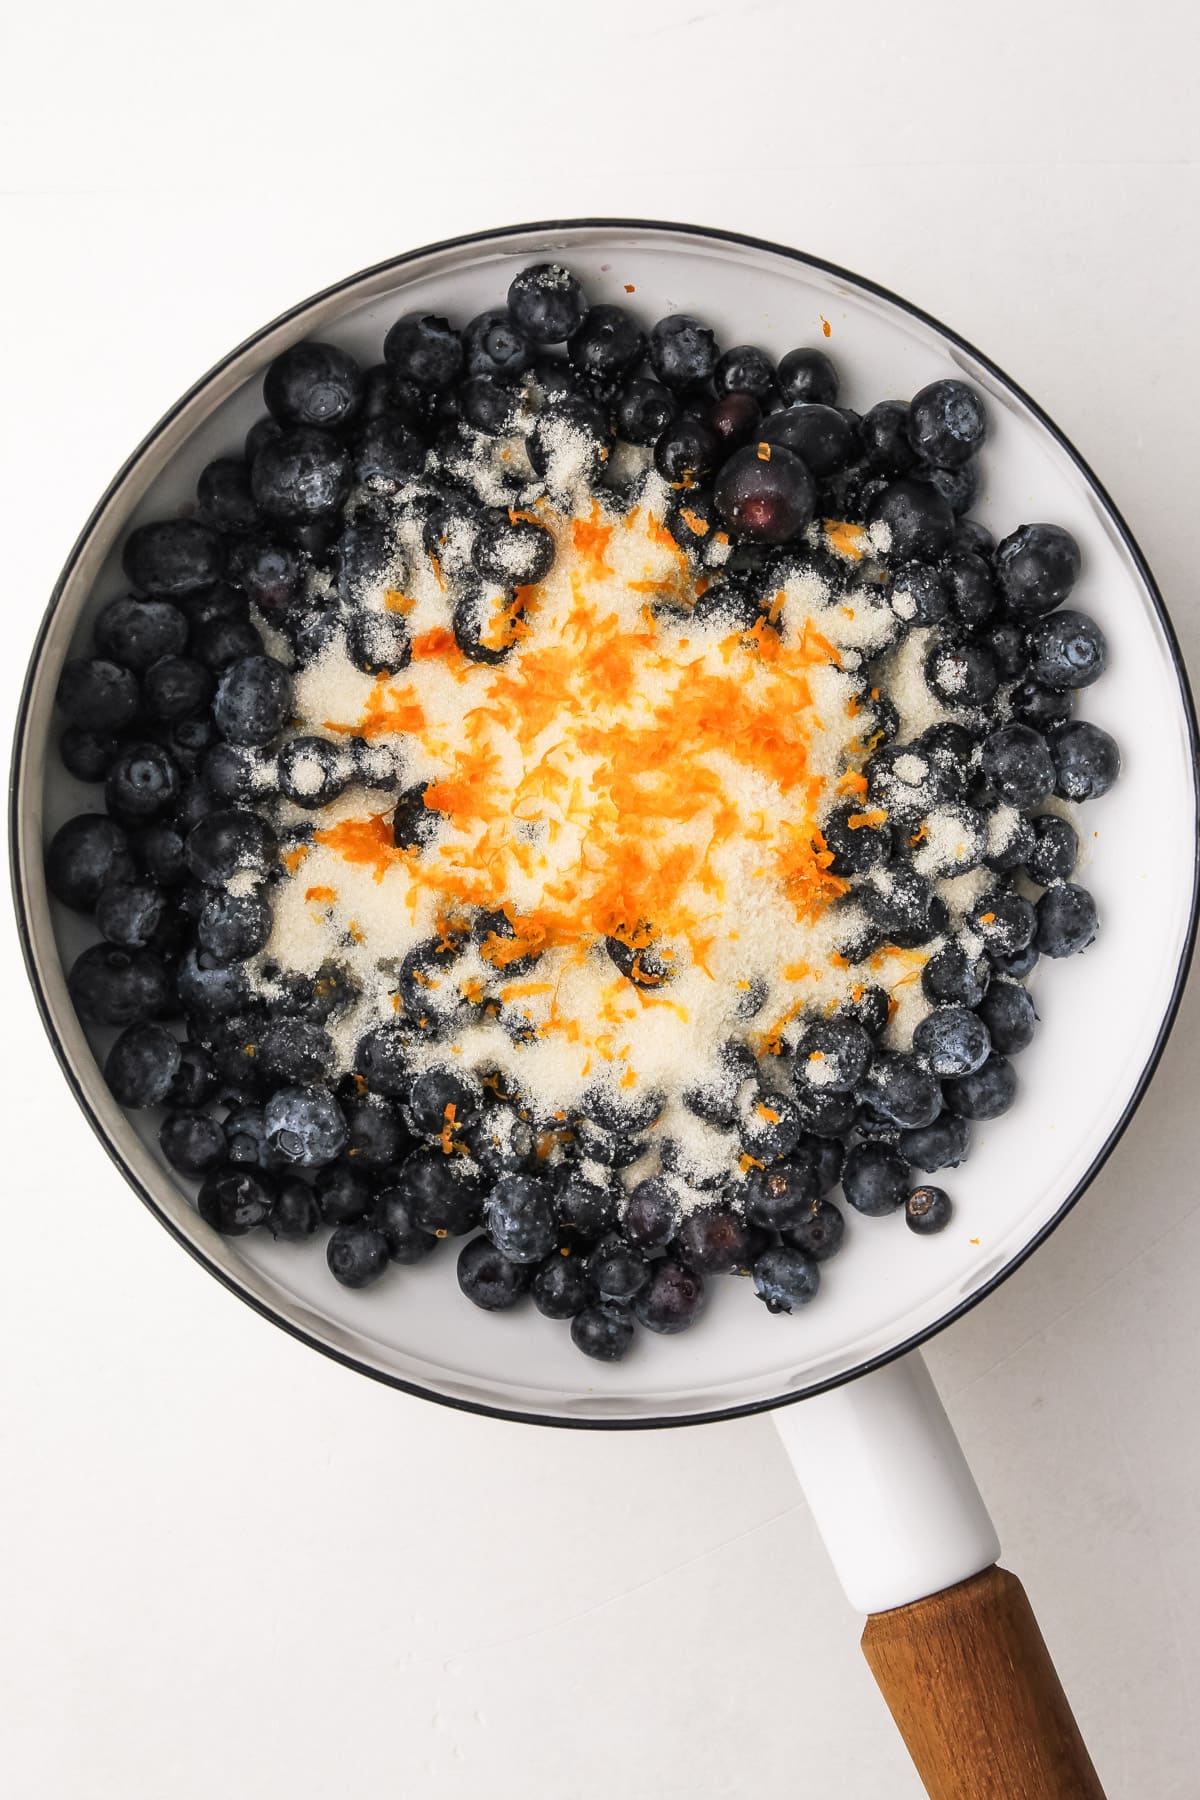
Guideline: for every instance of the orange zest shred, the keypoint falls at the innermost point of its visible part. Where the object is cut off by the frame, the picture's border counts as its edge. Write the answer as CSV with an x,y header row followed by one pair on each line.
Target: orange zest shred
x,y
845,539
877,815
293,858
320,894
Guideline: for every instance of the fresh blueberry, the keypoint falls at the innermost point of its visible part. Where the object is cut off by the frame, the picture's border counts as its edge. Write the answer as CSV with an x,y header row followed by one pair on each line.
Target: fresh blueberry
x,y
904,907
832,1055
114,986
617,1271
561,1287
875,1179
1018,763
547,302
228,843
294,1214
267,572
952,1040
235,1200
301,477
87,755
395,1218
918,518
942,1145
946,423
245,1134
97,695
176,687
295,1051
446,1194
130,913
313,384
688,451
857,841
388,453
642,411
961,672
1008,1013
491,405
1068,650
425,350
441,1099
1087,761
1044,709
385,1059
494,344
1006,640
928,1209
1067,921
608,342
377,1137
260,433
193,1078
807,376
671,1300
1016,964
819,435
1055,850
254,698
779,1196
357,1255
971,592
218,642
1037,566
135,633
884,432
142,1064
1004,921
785,1279
587,1209
489,1278
683,352
765,493
985,1093
735,419
513,552
917,595
603,1332
343,1195
900,1091
223,496
208,993
172,557
745,370
713,1240
959,487
818,1233
650,1216
305,1126
193,1142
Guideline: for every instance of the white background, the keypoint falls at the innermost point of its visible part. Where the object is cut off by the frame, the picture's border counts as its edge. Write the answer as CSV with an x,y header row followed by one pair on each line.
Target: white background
x,y
230,1567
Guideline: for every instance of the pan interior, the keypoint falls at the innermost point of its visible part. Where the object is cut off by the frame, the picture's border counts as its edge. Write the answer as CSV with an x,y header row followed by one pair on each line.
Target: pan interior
x,y
1102,1014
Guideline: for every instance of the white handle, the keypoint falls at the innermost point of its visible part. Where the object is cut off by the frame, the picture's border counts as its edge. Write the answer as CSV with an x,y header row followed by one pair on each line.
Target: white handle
x,y
889,1487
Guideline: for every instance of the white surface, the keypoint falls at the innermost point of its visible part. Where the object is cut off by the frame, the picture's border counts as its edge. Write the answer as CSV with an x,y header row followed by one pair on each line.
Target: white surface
x,y
888,1487
233,1565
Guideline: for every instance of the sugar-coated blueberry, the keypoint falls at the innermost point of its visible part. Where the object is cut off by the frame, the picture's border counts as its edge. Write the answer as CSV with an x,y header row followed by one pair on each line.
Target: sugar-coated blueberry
x,y
1054,851
918,518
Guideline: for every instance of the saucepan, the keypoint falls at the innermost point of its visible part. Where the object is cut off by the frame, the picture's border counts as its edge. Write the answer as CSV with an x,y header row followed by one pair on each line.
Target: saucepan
x,y
950,1637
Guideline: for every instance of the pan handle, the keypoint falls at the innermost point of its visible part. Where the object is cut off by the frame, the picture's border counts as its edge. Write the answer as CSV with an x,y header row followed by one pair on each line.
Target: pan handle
x,y
951,1639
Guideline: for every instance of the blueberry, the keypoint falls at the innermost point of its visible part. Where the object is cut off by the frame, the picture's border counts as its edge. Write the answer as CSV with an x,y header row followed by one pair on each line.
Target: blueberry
x,y
951,1040
961,672
547,302
1066,920
1008,1013
819,435
608,342
1054,851
193,1078
489,1278
193,1142
650,1216
807,376
130,913
785,1279
227,843
942,1145
520,1217
868,1007
1043,708
946,423
494,344
245,1134
818,1233
442,1098
260,433
378,643
254,698
1018,763
688,451
429,990
176,687
619,1109
218,642
642,411
959,487
301,476
970,590
735,419
235,1200
513,552
1068,650
778,1197
826,1115
568,440
768,1124
919,519
268,573
901,1091
311,772
223,496
143,782
985,1093
1006,642
903,906
586,1209
86,855
875,1179
387,453
683,352
928,1209
1005,922
917,595
425,350
384,1059
357,1255
87,755
671,1300
856,841
1037,566
135,633
602,1332
884,432
765,493
305,1126
142,1064
294,1214
713,1240
394,1216
561,1287
209,993
295,1051
1016,964
1087,761
832,1055
594,1143
714,1096
313,384
445,1193
1009,838
491,405
114,986
376,1135
172,557
617,1271
343,1195
745,370
97,695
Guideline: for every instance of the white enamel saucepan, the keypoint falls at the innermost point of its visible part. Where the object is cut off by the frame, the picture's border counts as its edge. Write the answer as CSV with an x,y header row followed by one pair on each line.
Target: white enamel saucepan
x,y
951,1638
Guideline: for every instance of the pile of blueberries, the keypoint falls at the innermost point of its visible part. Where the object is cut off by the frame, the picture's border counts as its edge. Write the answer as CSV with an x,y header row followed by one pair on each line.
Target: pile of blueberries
x,y
179,710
